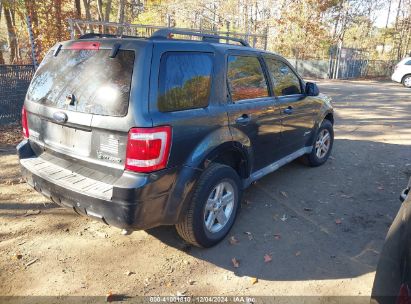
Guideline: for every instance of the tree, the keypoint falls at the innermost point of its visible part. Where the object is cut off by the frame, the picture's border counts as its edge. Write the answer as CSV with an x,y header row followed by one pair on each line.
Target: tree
x,y
1,51
120,15
11,33
77,6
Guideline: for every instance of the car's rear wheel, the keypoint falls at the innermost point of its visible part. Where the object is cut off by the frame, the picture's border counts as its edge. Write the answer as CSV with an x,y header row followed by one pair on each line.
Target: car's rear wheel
x,y
213,207
406,81
322,145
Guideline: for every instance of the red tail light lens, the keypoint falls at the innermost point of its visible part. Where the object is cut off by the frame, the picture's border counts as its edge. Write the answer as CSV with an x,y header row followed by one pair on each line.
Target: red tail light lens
x,y
24,124
404,295
148,149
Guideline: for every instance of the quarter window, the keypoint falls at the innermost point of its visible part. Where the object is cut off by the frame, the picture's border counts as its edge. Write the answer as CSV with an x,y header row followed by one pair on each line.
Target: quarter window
x,y
184,81
246,78
285,81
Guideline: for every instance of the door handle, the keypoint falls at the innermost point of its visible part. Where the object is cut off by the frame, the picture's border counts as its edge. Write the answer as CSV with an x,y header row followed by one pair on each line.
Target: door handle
x,y
289,110
243,119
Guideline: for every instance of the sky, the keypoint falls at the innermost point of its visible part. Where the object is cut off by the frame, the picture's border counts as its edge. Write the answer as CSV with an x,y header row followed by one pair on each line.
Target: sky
x,y
382,14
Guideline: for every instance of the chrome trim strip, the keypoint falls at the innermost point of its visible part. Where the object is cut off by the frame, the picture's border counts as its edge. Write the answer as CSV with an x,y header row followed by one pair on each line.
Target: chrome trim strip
x,y
276,165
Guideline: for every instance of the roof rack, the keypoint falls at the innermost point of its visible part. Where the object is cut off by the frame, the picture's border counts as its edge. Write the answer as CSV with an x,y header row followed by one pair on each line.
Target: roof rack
x,y
97,35
101,29
167,33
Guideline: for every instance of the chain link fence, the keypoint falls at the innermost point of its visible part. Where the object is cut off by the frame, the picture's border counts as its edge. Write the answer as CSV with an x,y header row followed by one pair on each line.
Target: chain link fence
x,y
14,82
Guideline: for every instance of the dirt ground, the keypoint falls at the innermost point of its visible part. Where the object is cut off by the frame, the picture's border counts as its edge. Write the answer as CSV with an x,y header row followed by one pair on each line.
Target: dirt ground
x,y
323,227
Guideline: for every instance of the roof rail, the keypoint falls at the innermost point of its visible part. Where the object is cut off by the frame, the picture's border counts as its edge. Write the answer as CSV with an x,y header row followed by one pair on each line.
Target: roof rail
x,y
166,33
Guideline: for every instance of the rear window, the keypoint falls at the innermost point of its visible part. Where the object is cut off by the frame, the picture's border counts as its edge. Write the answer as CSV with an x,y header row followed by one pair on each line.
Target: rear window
x,y
87,81
184,81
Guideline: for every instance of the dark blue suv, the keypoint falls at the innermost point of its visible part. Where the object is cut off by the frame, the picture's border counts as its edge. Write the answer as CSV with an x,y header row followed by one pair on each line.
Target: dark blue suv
x,y
142,132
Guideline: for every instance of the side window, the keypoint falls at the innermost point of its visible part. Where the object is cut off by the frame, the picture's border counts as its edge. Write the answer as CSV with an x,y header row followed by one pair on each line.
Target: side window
x,y
408,62
246,78
184,81
284,80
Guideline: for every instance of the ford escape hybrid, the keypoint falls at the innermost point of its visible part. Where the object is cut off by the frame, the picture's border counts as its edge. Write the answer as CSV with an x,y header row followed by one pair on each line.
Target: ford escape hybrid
x,y
163,131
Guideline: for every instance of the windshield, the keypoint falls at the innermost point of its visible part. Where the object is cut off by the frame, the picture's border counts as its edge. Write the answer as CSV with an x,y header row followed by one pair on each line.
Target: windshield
x,y
87,81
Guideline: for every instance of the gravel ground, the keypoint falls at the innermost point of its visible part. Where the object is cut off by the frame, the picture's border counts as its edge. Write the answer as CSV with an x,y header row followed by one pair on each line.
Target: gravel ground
x,y
322,228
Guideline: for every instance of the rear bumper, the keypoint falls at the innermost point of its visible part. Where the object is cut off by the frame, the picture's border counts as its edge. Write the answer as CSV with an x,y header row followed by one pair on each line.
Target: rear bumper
x,y
397,77
132,201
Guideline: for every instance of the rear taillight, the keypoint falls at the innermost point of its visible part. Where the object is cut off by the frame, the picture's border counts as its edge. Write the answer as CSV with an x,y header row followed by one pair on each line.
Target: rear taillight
x,y
404,295
148,149
24,124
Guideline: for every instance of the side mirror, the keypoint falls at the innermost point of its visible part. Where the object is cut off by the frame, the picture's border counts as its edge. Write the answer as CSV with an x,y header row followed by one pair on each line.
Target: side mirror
x,y
311,89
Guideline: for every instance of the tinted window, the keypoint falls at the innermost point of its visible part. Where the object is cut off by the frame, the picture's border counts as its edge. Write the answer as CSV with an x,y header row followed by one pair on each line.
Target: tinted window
x,y
285,82
408,62
100,84
184,81
246,78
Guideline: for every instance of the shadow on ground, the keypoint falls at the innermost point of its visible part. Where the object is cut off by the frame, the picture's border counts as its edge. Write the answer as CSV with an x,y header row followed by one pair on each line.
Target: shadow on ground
x,y
358,187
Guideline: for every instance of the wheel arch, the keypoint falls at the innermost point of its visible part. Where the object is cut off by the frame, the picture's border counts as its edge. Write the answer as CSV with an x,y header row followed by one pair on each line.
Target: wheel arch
x,y
232,154
403,77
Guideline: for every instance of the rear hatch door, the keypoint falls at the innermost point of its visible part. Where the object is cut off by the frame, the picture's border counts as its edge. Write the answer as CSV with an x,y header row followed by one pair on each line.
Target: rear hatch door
x,y
76,83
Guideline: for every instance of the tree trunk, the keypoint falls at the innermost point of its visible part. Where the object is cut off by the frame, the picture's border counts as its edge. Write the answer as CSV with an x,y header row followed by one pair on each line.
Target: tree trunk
x,y
86,4
57,5
107,14
1,51
100,10
120,15
11,35
78,8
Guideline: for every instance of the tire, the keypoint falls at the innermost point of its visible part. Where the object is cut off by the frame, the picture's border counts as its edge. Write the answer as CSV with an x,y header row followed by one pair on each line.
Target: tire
x,y
406,81
193,227
313,159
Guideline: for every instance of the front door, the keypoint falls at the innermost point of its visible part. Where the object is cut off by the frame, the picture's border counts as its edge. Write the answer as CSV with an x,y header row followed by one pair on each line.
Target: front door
x,y
297,110
251,109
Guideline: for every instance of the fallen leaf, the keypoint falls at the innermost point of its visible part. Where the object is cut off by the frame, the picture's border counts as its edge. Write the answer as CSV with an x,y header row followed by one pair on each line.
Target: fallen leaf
x,y
129,273
277,236
249,234
283,193
235,262
109,297
191,282
380,188
267,258
181,293
298,253
253,280
338,221
283,218
233,240
18,256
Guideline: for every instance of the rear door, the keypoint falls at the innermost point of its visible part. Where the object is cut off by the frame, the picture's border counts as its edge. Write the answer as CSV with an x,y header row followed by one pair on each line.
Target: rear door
x,y
78,101
185,94
252,110
297,110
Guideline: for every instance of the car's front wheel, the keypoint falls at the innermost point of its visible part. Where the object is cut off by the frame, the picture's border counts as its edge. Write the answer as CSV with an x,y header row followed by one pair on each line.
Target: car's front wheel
x,y
322,145
213,207
406,81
